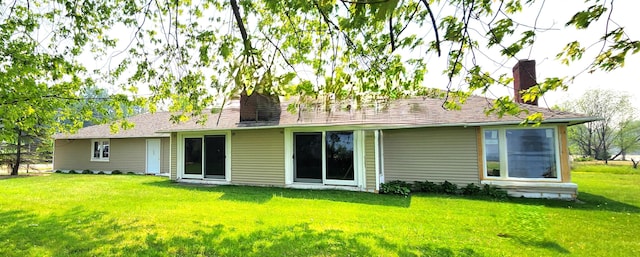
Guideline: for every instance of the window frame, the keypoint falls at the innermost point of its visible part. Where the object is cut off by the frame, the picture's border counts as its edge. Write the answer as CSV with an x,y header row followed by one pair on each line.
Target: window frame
x,y
101,144
503,154
180,158
358,156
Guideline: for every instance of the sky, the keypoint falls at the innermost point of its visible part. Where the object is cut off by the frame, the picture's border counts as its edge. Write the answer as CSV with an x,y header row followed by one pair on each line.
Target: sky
x,y
625,79
554,15
549,43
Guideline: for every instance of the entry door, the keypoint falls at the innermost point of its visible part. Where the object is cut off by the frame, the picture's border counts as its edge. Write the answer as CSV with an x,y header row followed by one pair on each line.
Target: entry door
x,y
308,157
214,151
153,156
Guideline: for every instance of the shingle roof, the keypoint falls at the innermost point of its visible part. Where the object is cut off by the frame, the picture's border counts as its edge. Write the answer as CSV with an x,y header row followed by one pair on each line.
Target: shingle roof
x,y
146,125
411,112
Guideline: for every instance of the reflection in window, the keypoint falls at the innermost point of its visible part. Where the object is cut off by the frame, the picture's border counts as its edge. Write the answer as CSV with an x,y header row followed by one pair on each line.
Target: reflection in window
x,y
193,155
96,149
531,153
492,152
100,150
339,153
105,149
308,157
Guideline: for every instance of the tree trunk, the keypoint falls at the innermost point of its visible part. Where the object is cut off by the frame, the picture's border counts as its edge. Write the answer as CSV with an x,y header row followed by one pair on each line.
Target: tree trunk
x,y
16,164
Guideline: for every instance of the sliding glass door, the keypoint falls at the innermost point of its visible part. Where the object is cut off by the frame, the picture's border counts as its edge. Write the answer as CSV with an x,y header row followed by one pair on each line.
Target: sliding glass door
x,y
214,152
192,157
324,157
339,156
308,157
205,157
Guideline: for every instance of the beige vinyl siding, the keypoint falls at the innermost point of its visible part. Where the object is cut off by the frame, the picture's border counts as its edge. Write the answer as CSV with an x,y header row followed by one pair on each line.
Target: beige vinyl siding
x,y
126,154
173,156
164,158
370,160
434,154
257,157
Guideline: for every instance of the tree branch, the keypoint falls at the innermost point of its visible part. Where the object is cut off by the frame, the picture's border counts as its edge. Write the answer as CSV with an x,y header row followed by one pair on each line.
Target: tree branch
x,y
280,52
391,38
330,23
243,31
435,26
364,2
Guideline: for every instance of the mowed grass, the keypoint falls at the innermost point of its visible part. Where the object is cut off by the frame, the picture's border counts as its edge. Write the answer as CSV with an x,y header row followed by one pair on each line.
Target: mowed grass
x,y
615,167
130,215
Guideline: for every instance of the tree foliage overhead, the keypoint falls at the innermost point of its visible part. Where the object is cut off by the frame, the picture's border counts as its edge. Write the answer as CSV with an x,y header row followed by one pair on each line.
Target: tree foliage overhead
x,y
193,53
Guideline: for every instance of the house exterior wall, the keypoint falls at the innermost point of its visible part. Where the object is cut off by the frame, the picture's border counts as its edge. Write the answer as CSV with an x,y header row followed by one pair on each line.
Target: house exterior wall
x,y
565,168
257,157
125,154
165,149
370,160
173,160
433,154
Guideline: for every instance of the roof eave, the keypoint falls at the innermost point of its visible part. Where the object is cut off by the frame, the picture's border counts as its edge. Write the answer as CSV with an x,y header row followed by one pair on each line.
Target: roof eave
x,y
158,134
568,121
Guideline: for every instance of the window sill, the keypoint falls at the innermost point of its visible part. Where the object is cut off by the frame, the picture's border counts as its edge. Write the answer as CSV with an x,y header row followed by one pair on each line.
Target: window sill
x,y
529,189
533,180
515,183
204,181
320,186
100,160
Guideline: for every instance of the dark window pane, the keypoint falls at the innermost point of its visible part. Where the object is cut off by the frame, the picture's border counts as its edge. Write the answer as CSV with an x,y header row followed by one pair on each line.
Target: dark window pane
x,y
531,153
96,149
492,152
214,153
339,155
193,155
308,157
105,149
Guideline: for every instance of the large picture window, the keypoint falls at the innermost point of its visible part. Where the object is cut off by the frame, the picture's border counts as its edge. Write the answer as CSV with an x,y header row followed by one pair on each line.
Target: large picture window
x,y
100,150
521,153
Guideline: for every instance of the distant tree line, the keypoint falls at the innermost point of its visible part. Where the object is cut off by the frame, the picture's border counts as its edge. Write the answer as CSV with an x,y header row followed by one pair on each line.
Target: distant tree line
x,y
614,135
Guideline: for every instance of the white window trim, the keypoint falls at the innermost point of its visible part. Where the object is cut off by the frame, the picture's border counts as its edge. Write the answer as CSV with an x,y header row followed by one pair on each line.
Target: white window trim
x,y
180,154
358,156
100,141
378,161
504,162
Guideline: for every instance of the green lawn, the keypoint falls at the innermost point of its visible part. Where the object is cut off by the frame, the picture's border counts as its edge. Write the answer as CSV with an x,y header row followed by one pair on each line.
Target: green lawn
x,y
129,215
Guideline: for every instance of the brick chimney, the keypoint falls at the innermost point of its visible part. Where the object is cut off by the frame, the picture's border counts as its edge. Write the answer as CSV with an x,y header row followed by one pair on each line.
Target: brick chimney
x,y
259,107
524,77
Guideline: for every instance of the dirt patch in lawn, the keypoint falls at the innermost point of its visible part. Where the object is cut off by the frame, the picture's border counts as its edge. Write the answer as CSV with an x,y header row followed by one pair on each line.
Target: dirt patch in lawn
x,y
26,171
4,176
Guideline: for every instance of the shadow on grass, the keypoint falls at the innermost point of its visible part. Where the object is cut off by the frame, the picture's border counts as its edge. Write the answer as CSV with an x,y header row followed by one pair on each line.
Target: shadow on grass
x,y
76,232
540,243
260,195
84,233
586,201
295,240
